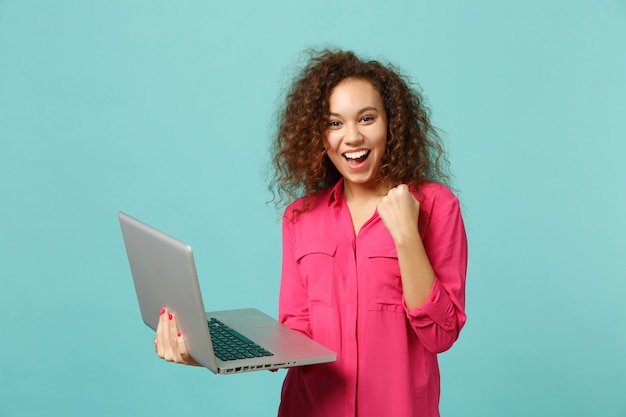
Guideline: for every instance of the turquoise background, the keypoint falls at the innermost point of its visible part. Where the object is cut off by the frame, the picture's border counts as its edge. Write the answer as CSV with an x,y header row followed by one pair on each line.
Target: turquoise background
x,y
164,109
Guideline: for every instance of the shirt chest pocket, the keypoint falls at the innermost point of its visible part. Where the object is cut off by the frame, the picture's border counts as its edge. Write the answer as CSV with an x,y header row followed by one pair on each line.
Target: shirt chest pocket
x,y
384,285
316,261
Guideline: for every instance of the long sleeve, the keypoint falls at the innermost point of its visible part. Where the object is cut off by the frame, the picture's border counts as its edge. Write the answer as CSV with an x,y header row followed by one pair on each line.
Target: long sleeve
x,y
439,320
293,304
345,291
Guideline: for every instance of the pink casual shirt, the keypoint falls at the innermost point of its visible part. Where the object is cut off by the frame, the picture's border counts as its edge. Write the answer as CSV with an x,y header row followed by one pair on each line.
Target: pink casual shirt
x,y
345,292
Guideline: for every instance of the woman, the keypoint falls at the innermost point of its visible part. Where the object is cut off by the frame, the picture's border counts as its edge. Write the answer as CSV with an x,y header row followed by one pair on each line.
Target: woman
x,y
374,247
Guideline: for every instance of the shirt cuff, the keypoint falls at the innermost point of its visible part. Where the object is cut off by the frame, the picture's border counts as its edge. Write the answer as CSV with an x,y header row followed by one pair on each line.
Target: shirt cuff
x,y
437,308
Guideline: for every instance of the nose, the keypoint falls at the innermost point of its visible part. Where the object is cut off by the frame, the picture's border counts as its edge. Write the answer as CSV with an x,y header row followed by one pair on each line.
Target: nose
x,y
353,134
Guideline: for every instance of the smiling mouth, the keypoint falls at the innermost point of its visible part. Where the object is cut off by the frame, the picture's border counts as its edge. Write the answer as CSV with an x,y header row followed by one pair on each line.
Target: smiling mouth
x,y
357,157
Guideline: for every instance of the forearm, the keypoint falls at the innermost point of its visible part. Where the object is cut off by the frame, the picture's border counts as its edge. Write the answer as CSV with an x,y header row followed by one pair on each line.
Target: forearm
x,y
416,271
433,263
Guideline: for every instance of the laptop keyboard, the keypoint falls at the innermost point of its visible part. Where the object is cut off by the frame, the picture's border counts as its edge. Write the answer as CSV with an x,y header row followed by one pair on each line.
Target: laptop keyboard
x,y
230,345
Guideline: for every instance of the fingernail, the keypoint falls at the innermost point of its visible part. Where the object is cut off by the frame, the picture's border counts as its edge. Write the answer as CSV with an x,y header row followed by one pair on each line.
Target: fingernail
x,y
170,316
162,311
179,334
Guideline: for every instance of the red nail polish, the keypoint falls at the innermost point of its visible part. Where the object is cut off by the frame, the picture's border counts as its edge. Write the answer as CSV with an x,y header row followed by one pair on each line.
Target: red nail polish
x,y
170,316
179,334
162,311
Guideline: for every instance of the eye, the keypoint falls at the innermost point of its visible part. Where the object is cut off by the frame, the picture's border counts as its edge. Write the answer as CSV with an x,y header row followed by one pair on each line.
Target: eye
x,y
367,119
334,124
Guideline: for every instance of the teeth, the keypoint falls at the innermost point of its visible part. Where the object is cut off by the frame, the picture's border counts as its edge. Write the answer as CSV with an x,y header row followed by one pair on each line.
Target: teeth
x,y
355,155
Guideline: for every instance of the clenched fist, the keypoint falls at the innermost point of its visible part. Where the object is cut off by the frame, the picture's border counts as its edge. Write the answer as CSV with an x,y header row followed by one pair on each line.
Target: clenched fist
x,y
399,211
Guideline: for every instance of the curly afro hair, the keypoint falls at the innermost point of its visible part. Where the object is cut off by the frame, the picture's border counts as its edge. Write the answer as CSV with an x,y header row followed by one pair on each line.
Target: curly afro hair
x,y
414,153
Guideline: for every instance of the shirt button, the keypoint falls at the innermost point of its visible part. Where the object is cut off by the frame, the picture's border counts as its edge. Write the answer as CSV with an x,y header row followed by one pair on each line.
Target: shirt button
x,y
447,324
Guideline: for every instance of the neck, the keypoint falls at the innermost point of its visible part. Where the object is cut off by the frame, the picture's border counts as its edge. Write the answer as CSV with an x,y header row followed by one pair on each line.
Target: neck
x,y
360,192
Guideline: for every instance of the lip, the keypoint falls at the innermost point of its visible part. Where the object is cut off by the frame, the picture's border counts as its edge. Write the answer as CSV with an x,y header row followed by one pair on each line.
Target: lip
x,y
362,151
355,167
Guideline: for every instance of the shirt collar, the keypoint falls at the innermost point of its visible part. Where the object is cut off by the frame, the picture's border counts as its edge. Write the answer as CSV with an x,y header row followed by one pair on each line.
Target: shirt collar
x,y
336,193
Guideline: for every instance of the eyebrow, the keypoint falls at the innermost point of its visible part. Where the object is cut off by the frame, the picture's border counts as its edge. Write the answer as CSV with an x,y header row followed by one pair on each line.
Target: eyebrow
x,y
363,110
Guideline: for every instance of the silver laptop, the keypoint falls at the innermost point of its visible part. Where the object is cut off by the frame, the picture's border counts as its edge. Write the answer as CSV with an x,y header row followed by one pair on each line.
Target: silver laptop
x,y
164,273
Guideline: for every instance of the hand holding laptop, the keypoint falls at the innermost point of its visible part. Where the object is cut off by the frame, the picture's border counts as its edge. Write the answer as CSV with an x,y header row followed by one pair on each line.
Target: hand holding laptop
x,y
170,350
169,342
226,341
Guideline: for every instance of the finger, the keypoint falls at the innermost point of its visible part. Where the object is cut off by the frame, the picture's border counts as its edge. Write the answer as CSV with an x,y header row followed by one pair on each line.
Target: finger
x,y
174,335
394,191
183,351
164,336
398,190
161,336
182,347
168,338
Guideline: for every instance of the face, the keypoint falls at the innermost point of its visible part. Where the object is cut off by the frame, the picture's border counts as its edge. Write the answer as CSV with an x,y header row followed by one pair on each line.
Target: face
x,y
356,135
